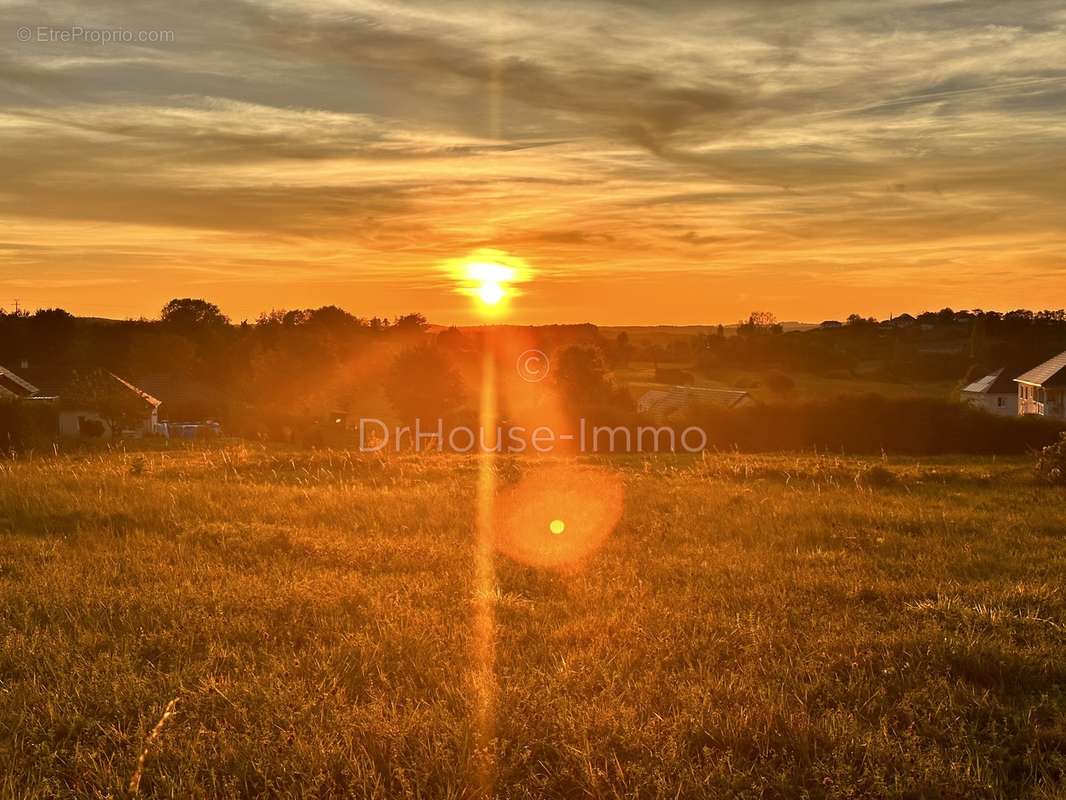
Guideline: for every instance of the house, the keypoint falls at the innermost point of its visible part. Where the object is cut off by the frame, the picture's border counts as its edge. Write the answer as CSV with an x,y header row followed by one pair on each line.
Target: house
x,y
902,321
1042,390
89,403
663,405
12,387
96,402
650,399
996,392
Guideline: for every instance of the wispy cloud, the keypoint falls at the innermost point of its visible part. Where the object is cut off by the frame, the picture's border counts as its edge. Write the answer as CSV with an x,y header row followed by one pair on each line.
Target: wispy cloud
x,y
805,145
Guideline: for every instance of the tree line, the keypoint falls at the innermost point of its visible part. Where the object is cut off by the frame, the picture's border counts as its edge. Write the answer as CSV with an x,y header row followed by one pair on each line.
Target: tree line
x,y
291,373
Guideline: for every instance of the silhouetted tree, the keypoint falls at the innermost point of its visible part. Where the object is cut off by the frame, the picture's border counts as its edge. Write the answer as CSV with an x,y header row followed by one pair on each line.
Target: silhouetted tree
x,y
452,339
423,384
410,323
586,388
759,322
621,351
977,339
779,384
188,313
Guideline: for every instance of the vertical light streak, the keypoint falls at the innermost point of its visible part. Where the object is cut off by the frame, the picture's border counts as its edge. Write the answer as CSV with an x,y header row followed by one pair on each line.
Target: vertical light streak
x,y
484,567
484,677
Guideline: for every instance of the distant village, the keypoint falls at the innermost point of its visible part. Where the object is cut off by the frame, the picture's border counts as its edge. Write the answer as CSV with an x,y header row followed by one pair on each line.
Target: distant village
x,y
193,374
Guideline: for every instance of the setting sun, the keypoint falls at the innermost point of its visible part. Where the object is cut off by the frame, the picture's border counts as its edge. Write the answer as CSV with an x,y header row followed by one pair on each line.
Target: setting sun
x,y
490,279
489,276
514,400
490,293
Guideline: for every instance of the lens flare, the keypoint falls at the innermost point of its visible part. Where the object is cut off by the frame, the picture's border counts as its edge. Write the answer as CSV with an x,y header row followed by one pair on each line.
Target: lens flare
x,y
488,280
490,277
490,293
488,272
531,517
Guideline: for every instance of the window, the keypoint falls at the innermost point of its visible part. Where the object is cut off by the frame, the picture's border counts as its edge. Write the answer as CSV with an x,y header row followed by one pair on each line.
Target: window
x,y
1002,401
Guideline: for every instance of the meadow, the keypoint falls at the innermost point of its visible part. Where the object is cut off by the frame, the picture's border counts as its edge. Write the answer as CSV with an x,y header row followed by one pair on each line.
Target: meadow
x,y
242,621
639,377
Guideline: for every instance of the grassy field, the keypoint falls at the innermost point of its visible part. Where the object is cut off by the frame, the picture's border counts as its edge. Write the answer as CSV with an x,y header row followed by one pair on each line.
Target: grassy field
x,y
640,377
782,627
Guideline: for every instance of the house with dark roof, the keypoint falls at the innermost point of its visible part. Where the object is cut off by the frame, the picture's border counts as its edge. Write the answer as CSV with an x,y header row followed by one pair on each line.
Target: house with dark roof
x,y
902,321
665,405
13,387
1042,390
89,403
996,393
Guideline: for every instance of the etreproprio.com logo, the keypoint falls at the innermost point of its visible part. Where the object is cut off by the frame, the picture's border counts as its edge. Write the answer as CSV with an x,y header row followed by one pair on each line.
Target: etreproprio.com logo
x,y
79,34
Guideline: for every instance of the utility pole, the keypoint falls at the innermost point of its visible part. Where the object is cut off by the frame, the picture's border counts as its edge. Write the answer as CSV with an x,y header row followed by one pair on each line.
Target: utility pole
x,y
16,305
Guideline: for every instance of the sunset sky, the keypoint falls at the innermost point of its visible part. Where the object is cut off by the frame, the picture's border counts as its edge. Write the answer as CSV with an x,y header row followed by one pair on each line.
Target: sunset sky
x,y
652,161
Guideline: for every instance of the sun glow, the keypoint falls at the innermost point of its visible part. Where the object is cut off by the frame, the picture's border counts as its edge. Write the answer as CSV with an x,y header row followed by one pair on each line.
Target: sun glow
x,y
490,277
491,293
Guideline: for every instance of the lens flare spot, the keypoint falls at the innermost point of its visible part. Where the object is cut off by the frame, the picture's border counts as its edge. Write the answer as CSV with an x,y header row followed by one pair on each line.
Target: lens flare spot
x,y
529,516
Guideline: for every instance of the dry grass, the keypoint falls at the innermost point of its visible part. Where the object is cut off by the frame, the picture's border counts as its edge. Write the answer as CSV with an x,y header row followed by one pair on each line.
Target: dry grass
x,y
787,626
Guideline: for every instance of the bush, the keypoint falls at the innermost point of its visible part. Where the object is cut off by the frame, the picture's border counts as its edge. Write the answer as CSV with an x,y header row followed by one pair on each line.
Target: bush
x,y
1051,462
26,425
779,383
874,424
876,476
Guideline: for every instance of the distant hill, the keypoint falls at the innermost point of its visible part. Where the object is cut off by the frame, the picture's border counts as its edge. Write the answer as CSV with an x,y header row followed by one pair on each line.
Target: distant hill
x,y
612,331
689,330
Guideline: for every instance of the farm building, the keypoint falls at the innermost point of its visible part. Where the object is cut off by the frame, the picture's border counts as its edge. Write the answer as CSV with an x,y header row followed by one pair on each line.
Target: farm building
x,y
1042,390
663,405
996,393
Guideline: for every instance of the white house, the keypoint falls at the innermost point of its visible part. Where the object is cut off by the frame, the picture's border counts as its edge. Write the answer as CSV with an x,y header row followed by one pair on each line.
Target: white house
x,y
996,393
86,401
662,405
82,406
1042,390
